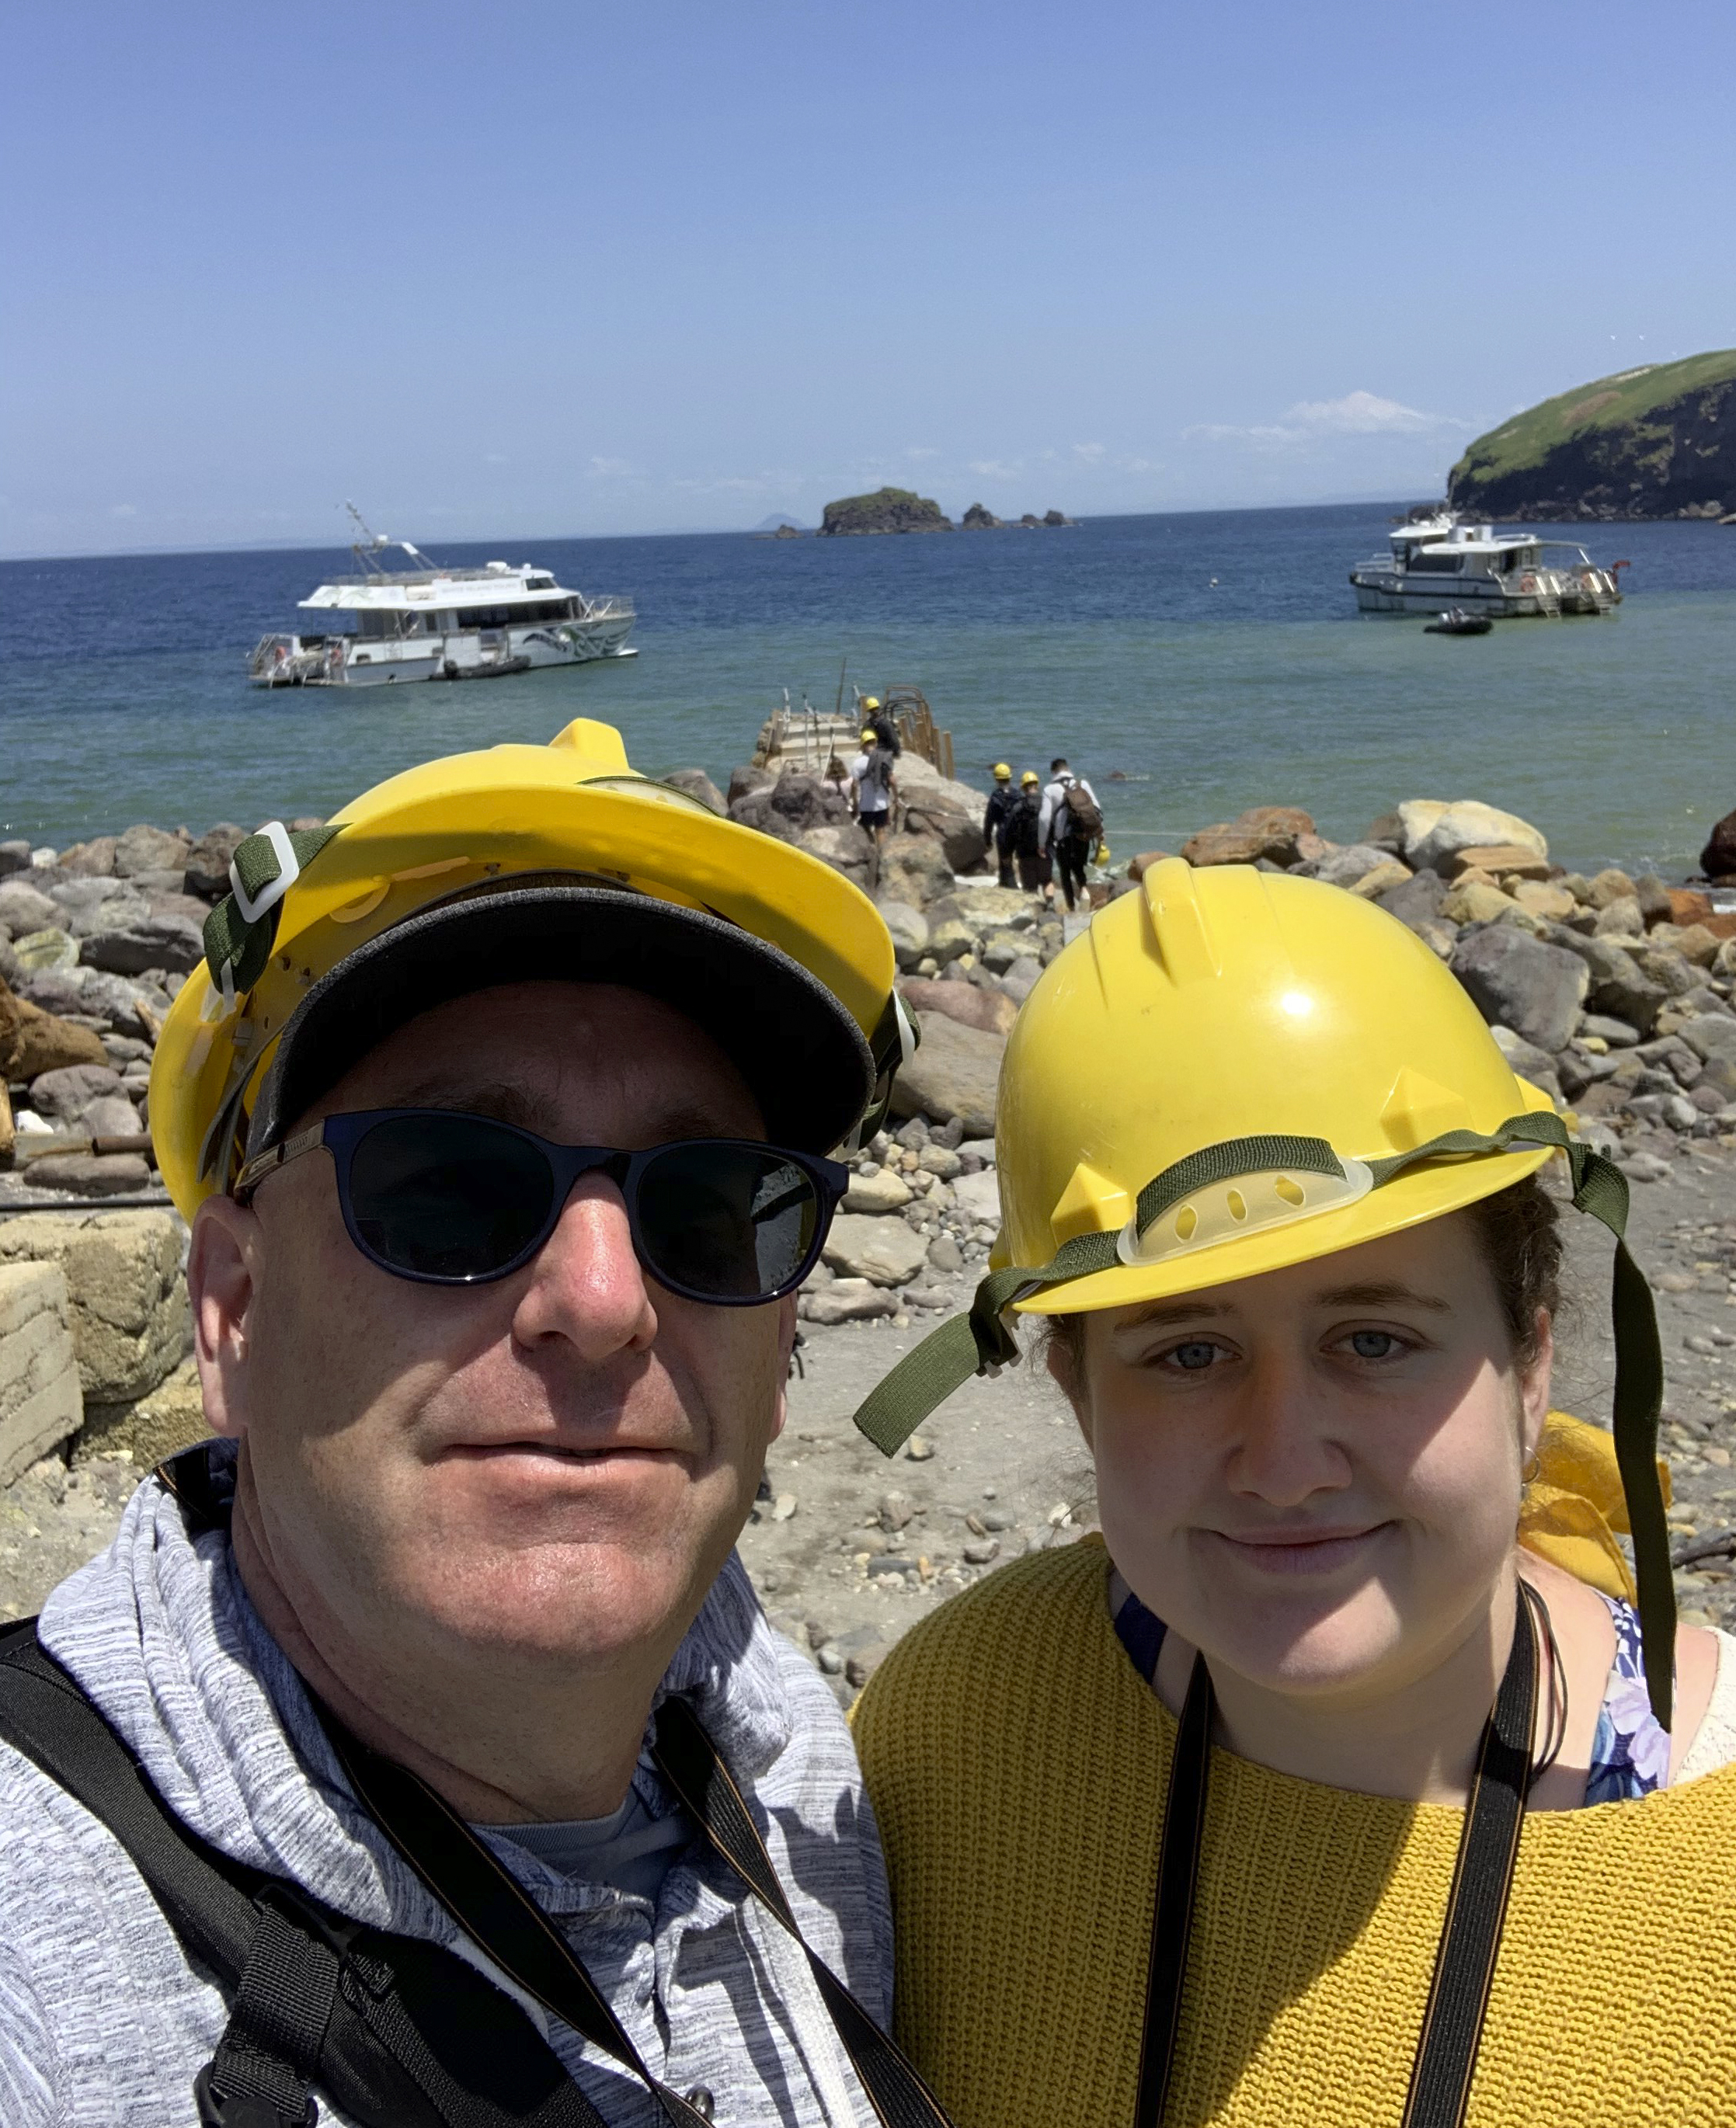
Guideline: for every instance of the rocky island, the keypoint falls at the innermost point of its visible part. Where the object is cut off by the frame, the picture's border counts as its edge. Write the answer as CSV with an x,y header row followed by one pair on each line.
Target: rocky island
x,y
886,509
978,518
1658,441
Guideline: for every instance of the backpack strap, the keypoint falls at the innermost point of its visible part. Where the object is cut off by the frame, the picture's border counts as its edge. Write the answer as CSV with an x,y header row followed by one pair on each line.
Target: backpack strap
x,y
397,2032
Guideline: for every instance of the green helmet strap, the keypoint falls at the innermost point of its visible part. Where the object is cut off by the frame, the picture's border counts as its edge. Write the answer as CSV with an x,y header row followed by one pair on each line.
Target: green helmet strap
x,y
982,1343
240,943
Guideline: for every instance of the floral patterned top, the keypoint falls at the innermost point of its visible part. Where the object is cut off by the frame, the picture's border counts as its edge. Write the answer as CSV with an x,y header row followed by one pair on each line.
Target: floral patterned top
x,y
1630,1751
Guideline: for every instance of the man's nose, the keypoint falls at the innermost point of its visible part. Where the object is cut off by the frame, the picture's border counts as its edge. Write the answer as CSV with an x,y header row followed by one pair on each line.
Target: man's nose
x,y
586,1284
1283,1448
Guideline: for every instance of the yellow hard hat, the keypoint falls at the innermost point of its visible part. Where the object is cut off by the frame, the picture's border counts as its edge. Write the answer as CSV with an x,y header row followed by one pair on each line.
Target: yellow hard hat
x,y
1030,776
581,868
870,737
1003,774
871,701
1232,1071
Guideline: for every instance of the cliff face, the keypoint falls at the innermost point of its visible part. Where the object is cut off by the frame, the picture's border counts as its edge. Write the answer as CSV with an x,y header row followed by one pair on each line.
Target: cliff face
x,y
1656,442
886,509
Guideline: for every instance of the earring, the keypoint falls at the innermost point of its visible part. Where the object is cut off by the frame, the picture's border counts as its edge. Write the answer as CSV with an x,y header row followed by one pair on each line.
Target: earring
x,y
1533,1463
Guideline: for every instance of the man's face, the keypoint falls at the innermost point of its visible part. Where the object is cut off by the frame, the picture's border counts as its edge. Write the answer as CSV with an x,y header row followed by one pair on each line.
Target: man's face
x,y
553,1464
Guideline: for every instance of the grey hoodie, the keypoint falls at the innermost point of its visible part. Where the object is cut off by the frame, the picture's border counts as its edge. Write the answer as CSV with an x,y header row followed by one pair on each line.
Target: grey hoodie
x,y
102,2021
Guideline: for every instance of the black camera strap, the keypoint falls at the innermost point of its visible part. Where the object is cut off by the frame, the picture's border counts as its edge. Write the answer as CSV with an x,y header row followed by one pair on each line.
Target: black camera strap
x,y
1477,1905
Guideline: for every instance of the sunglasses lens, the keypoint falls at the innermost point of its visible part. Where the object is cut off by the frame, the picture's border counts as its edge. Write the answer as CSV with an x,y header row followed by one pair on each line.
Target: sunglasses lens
x,y
447,1197
727,1222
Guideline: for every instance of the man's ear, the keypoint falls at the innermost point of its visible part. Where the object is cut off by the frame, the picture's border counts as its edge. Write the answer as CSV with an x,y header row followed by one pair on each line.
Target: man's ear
x,y
222,1282
786,1349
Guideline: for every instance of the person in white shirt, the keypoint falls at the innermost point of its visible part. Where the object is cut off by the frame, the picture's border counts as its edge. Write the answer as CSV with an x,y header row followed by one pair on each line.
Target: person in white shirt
x,y
1069,829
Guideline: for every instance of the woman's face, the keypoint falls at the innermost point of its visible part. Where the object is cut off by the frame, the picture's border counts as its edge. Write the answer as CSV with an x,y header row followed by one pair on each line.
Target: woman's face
x,y
1314,1476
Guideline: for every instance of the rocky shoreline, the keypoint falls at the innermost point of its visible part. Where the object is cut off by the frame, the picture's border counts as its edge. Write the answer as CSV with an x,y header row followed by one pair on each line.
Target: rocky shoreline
x,y
1614,994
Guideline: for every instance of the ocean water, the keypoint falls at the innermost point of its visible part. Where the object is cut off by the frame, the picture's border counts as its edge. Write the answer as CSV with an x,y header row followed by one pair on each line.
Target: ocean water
x,y
1190,665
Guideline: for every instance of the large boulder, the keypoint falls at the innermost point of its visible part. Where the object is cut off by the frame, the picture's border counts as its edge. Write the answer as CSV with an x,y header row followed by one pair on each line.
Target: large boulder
x,y
90,994
94,859
40,1401
1434,832
1272,832
151,1429
790,807
1524,983
881,1249
746,779
89,905
1352,861
959,833
147,849
989,1011
129,1301
1415,900
1619,986
1500,860
61,1096
174,943
32,1041
205,872
954,1074
46,952
844,846
1718,859
698,784
909,929
24,908
913,869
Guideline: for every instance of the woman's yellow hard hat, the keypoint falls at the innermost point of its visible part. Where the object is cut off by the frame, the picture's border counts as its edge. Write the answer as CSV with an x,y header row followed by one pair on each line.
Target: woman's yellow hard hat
x,y
568,864
1234,1070
1030,776
1003,774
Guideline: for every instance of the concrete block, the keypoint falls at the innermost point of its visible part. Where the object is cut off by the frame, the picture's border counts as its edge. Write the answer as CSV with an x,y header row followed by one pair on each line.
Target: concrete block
x,y
129,1313
40,1402
170,1418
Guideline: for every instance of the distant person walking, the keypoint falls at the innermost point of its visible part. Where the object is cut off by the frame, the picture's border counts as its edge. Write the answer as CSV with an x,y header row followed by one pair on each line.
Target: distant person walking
x,y
1026,834
873,782
1071,828
885,730
997,821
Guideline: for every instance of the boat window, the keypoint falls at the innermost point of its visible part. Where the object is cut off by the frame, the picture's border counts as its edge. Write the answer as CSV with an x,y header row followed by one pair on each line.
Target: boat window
x,y
539,583
1438,558
485,616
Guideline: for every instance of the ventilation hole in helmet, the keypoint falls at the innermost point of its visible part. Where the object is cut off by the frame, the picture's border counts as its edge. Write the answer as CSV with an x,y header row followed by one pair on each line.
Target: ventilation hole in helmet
x,y
1292,1193
1237,1205
1186,1219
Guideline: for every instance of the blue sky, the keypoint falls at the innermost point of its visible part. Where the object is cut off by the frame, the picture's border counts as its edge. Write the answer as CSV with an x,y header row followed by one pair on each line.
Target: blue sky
x,y
563,269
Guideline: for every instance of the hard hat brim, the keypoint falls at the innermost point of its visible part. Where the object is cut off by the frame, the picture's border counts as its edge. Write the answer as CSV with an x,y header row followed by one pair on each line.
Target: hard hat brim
x,y
803,1056
1429,1191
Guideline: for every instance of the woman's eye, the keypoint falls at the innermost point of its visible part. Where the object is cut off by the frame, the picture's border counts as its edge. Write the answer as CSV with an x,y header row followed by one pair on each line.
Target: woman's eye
x,y
1196,1353
1374,1344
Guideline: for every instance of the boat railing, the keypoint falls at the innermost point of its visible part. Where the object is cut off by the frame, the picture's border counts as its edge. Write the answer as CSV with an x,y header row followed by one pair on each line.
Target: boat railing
x,y
611,608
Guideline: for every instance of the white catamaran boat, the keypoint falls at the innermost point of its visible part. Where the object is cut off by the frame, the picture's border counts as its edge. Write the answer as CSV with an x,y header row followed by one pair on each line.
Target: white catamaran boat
x,y
1436,562
427,623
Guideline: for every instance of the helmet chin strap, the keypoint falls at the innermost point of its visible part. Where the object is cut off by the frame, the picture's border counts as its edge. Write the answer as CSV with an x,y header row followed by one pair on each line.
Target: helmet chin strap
x,y
982,1341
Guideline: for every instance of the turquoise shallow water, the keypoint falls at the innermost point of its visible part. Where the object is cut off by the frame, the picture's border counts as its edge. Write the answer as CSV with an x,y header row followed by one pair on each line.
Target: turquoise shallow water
x,y
122,693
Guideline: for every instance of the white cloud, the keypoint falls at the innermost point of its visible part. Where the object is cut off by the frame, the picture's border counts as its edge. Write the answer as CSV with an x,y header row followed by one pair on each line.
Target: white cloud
x,y
1357,414
921,451
1089,452
993,469
124,510
610,469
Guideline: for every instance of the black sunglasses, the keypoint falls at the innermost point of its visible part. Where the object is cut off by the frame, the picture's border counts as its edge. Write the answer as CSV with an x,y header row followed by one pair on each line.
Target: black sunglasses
x,y
449,1199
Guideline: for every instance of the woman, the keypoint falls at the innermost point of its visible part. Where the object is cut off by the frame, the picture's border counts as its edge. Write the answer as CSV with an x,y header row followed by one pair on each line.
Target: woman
x,y
1321,1792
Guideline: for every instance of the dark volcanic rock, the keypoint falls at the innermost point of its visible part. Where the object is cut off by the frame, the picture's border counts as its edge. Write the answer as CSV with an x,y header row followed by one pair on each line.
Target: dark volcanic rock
x,y
207,871
698,784
976,519
1519,982
1718,859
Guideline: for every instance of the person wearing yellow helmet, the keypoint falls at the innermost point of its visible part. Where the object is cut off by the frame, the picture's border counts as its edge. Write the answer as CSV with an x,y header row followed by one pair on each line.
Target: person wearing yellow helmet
x,y
997,821
502,1111
1348,1777
1025,832
875,786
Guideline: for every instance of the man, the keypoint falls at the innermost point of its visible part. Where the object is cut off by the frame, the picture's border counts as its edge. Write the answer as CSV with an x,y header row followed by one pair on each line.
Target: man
x,y
1072,827
492,1401
997,817
1025,832
874,784
885,730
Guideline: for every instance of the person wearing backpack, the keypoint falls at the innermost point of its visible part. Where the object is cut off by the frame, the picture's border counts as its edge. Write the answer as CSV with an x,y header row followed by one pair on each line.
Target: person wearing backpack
x,y
418,1754
1025,832
1072,827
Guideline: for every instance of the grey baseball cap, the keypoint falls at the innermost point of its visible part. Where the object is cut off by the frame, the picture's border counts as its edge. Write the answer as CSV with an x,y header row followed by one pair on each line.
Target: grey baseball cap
x,y
802,1053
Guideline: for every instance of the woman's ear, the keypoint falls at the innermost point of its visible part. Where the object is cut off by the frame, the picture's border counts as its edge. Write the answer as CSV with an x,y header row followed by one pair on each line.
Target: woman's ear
x,y
222,1283
1534,1381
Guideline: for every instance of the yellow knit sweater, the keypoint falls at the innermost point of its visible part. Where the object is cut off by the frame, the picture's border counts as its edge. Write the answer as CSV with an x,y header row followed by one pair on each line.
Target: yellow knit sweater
x,y
1017,1763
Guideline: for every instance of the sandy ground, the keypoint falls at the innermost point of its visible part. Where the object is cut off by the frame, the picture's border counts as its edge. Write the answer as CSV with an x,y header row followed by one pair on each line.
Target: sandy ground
x,y
850,1549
